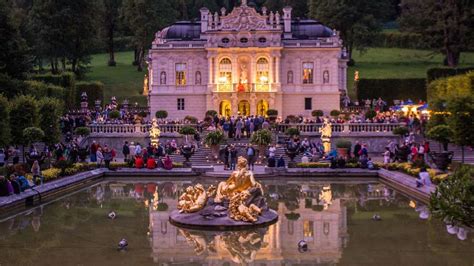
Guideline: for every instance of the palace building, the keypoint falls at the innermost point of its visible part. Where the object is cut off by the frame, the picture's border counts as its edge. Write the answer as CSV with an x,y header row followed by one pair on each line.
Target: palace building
x,y
244,63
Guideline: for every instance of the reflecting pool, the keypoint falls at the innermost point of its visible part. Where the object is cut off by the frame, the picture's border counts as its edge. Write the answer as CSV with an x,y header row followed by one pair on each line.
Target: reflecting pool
x,y
334,219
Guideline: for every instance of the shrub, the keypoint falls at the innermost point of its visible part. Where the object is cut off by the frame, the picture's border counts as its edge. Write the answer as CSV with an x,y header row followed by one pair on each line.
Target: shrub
x,y
82,131
23,114
67,80
453,199
4,122
40,89
11,87
335,113
442,134
214,138
343,144
292,118
399,40
437,73
262,137
114,114
292,132
50,111
317,113
313,165
400,131
187,130
370,114
94,90
392,89
272,112
191,119
211,113
445,88
33,134
161,114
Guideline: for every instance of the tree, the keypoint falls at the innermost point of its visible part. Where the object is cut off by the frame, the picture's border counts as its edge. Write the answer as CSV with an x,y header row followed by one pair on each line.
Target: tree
x,y
161,114
357,21
461,120
4,122
144,18
446,25
442,134
65,30
111,16
23,114
32,135
50,111
15,55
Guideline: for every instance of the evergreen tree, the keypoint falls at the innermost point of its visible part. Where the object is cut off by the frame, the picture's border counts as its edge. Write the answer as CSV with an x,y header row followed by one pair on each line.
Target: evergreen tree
x,y
145,18
110,19
4,122
50,111
23,114
15,57
447,25
461,120
357,21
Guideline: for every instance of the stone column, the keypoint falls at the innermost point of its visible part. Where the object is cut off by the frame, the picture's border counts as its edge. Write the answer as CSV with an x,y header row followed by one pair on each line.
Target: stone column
x,y
253,69
253,104
271,71
277,70
234,103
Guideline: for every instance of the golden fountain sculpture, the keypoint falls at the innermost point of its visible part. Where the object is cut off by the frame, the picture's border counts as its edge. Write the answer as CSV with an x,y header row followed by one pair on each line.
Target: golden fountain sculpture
x,y
238,199
326,133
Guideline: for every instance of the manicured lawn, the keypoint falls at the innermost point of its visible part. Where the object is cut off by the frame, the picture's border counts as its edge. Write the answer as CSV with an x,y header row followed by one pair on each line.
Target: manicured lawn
x,y
398,63
122,81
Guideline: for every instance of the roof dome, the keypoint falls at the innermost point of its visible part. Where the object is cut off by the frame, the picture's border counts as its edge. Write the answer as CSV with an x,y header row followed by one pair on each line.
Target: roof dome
x,y
310,29
182,30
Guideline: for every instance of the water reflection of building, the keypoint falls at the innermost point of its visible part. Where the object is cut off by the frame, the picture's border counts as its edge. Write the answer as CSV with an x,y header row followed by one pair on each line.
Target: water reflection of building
x,y
322,222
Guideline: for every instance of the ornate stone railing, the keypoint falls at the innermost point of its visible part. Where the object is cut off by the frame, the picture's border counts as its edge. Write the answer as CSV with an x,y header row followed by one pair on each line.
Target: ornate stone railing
x,y
129,129
361,128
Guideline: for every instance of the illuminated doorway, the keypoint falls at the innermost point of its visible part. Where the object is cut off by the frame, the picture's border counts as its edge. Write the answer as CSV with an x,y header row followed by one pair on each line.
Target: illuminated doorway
x,y
244,108
262,108
225,108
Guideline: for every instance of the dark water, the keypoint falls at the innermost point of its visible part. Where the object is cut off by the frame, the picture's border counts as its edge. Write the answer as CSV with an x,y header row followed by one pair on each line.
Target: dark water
x,y
334,219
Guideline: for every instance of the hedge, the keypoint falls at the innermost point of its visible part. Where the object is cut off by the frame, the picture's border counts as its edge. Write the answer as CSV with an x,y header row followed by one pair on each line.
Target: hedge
x,y
94,90
392,89
437,73
40,89
67,80
461,85
399,40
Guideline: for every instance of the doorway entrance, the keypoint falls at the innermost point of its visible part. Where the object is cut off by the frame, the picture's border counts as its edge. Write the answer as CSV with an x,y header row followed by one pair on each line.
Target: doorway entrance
x,y
225,108
262,107
244,108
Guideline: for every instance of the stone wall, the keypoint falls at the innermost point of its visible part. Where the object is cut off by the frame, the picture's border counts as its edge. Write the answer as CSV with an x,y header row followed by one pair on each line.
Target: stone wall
x,y
294,104
194,105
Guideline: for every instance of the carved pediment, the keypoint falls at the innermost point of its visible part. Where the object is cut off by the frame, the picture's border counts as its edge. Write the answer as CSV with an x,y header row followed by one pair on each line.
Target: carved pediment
x,y
244,18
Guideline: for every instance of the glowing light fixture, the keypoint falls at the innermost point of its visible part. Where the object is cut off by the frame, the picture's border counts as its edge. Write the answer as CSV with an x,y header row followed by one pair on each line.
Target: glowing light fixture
x,y
222,79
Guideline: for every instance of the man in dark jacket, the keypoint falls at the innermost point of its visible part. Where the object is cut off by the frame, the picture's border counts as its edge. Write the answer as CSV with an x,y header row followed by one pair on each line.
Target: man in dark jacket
x,y
126,152
357,148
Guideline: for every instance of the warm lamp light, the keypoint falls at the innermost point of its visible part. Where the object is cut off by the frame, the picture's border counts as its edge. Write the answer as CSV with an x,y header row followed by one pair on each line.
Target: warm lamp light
x,y
263,79
405,109
222,80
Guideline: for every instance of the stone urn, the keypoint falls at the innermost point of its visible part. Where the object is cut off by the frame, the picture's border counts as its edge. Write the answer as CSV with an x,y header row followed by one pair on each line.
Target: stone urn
x,y
292,151
187,151
442,159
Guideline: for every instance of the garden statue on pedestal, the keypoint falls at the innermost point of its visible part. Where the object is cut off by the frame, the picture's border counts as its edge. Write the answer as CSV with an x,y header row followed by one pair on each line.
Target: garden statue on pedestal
x,y
237,202
155,133
326,133
84,102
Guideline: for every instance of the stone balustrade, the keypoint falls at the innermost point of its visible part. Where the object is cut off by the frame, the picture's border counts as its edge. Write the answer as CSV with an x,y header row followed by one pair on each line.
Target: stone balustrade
x,y
347,128
130,129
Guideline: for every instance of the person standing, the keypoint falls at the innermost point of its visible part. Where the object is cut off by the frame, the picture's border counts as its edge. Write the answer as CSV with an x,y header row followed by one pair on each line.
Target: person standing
x,y
93,151
250,157
99,157
233,157
386,156
108,156
36,171
238,129
138,149
2,158
357,148
126,152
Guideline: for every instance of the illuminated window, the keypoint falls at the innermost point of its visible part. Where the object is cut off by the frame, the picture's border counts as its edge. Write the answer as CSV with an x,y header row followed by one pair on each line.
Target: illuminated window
x,y
225,71
308,70
180,104
308,229
262,70
180,74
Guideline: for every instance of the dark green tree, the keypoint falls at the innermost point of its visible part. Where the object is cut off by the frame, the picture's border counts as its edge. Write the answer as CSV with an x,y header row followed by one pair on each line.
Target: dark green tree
x,y
23,114
461,120
357,21
65,31
15,56
50,111
4,122
447,25
110,20
144,18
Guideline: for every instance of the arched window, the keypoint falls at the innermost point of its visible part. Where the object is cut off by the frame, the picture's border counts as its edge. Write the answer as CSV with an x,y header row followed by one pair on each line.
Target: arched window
x,y
180,74
262,70
198,78
163,78
225,71
308,72
290,77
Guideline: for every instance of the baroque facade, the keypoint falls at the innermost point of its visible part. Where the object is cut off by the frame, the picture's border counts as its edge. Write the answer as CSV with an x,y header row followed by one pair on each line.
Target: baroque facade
x,y
244,63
